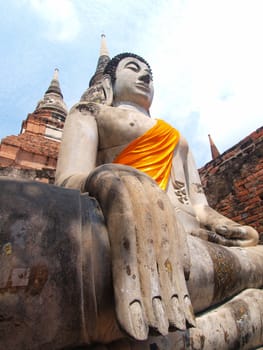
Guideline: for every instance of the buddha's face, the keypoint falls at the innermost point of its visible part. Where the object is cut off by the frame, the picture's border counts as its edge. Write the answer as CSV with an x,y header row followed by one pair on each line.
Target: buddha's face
x,y
133,83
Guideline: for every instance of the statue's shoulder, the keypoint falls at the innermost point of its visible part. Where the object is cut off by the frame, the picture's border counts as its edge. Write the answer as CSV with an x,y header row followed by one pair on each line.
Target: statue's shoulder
x,y
87,108
97,110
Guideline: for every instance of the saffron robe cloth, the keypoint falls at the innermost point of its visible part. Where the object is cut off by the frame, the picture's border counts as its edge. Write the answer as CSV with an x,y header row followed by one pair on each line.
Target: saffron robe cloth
x,y
152,153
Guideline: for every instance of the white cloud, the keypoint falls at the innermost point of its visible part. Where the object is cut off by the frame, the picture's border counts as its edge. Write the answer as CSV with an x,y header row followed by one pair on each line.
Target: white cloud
x,y
60,17
207,59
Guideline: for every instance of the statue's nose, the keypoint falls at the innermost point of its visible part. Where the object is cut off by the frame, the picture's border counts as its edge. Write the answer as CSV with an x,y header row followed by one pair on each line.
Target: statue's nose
x,y
145,78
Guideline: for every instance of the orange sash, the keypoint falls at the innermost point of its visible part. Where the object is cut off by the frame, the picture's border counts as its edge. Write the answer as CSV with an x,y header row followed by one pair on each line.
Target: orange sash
x,y
152,153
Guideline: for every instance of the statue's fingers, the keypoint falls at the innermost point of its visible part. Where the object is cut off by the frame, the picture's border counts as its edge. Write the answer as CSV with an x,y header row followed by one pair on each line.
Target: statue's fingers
x,y
116,206
145,237
222,230
231,230
169,267
239,231
236,235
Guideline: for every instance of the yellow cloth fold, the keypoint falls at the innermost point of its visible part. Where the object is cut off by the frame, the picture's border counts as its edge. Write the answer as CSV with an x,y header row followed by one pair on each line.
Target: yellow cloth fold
x,y
152,153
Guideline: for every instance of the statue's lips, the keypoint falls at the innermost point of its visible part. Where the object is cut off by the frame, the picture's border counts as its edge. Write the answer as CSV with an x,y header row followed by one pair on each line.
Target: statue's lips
x,y
142,86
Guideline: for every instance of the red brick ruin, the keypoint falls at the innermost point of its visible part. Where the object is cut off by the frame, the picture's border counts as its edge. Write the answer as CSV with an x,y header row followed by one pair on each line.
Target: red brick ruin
x,y
233,181
33,153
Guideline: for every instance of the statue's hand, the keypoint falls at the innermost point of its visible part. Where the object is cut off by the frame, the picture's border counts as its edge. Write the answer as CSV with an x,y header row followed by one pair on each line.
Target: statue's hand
x,y
147,251
222,230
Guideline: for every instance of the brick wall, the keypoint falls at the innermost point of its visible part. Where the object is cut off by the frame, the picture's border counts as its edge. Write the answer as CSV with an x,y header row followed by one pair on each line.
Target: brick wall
x,y
233,182
29,151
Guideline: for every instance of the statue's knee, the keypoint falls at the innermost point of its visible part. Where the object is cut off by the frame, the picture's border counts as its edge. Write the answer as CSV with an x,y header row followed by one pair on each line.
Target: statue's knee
x,y
110,175
103,173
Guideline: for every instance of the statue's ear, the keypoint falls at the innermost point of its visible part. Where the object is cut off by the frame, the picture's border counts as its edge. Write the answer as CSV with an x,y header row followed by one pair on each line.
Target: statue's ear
x,y
108,89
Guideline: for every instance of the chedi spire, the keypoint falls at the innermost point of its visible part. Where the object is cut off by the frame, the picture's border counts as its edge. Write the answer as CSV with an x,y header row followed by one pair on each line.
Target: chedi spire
x,y
214,151
53,99
54,85
104,58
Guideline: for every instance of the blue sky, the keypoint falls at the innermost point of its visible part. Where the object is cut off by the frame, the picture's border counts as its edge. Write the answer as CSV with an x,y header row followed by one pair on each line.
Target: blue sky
x,y
206,57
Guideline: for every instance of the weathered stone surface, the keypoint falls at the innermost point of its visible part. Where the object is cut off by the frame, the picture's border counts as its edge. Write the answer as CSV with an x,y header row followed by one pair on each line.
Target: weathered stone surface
x,y
213,332
56,286
40,252
41,175
50,276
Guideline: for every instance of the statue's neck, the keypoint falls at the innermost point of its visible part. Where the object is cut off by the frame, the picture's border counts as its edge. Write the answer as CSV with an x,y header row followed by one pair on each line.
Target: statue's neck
x,y
132,106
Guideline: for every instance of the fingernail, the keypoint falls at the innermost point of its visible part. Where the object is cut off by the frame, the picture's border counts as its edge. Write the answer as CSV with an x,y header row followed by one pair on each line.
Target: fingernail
x,y
162,322
189,312
140,328
178,319
221,229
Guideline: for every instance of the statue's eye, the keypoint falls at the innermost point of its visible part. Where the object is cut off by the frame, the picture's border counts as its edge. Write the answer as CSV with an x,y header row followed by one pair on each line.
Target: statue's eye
x,y
133,66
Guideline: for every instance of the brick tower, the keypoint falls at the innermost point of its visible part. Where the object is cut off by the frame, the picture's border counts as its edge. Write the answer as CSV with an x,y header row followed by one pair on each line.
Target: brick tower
x,y
37,145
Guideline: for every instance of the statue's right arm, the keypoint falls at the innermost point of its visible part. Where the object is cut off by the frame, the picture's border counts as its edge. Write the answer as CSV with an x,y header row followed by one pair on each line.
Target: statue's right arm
x,y
78,149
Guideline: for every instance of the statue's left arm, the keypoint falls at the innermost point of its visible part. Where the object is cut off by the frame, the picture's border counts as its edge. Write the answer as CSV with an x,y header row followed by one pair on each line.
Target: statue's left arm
x,y
214,226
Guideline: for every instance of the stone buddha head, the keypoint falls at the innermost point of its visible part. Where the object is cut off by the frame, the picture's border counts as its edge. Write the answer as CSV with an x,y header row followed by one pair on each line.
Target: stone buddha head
x,y
130,80
127,79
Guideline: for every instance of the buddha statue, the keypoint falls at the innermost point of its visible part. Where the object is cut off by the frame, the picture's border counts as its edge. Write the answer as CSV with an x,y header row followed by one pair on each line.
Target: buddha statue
x,y
172,255
125,253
